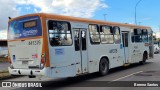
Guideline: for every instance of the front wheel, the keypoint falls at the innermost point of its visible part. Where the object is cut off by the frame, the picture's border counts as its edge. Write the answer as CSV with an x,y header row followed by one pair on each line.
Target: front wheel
x,y
103,66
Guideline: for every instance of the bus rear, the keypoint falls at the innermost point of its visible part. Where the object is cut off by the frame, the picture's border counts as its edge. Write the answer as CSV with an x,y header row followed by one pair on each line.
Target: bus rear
x,y
25,40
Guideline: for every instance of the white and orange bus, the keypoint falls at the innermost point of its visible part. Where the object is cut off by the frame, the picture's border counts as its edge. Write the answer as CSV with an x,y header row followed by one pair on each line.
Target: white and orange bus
x,y
63,46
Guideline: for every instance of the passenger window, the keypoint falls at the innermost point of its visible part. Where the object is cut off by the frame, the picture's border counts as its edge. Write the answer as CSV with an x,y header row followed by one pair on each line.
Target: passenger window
x,y
144,35
137,35
59,33
94,34
117,39
106,34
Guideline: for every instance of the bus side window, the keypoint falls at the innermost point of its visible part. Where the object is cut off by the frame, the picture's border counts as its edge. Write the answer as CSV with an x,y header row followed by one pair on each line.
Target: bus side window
x,y
59,33
117,39
94,34
137,35
106,34
54,38
144,35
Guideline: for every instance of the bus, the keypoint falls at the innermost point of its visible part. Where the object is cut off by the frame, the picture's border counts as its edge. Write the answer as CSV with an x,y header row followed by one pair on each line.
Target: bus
x,y
52,45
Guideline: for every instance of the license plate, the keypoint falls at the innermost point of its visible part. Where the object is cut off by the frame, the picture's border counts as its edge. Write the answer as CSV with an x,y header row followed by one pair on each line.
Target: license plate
x,y
24,62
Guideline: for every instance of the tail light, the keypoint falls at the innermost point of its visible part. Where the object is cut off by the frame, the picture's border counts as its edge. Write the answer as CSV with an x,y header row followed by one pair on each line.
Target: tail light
x,y
43,60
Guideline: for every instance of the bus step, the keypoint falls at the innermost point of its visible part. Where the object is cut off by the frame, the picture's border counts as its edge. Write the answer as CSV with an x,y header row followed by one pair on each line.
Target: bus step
x,y
126,64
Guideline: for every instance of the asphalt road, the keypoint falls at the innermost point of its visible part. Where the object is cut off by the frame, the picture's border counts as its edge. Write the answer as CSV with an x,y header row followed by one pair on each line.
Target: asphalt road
x,y
147,72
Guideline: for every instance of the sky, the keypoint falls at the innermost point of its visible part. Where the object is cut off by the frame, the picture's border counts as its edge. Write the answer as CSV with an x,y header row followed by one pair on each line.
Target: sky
x,y
122,11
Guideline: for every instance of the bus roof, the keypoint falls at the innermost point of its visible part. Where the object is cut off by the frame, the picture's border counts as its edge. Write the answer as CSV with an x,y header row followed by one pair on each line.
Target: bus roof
x,y
77,19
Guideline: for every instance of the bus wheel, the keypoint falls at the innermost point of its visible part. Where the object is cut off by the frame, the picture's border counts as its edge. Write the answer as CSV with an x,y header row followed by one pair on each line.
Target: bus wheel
x,y
144,58
103,66
31,76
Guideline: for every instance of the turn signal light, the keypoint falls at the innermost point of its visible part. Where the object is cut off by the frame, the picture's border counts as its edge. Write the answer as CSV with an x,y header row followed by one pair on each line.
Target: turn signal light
x,y
43,59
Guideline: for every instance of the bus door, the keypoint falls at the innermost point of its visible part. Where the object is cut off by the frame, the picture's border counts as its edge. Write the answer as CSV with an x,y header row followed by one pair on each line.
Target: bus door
x,y
151,44
125,38
80,50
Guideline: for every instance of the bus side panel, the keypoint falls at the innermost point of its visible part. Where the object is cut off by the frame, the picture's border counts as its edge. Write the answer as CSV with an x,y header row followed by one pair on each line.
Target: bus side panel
x,y
137,50
62,61
111,51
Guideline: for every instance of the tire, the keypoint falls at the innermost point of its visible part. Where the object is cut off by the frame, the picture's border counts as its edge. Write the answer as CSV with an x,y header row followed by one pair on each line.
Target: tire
x,y
103,66
144,59
31,76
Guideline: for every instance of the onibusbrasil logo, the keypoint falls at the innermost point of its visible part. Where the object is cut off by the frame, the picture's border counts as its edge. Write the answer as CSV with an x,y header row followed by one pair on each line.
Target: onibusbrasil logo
x,y
21,84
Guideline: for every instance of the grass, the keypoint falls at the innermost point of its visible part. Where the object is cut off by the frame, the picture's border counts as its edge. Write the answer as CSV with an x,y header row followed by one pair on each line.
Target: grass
x,y
3,59
4,74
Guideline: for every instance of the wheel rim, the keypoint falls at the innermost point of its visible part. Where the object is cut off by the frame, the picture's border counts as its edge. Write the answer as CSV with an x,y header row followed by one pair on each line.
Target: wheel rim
x,y
103,67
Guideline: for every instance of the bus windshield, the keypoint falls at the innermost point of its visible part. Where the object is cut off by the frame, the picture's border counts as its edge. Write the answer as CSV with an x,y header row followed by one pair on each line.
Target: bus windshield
x,y
24,28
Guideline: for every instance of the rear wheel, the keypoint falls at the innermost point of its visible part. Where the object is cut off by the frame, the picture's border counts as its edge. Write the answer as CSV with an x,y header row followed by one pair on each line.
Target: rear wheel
x,y
103,66
32,76
144,58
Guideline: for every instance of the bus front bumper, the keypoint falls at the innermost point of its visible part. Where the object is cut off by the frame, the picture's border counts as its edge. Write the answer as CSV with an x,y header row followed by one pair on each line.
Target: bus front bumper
x,y
33,72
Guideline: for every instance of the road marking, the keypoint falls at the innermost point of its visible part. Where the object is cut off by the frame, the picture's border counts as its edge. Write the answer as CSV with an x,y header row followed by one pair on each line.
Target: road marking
x,y
127,76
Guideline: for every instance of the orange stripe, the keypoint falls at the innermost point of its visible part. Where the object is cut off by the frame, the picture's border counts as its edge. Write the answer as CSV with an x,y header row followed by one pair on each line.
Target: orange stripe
x,y
45,48
25,38
69,18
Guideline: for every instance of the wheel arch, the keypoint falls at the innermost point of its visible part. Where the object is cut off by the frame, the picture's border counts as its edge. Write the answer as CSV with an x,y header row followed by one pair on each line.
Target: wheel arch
x,y
106,57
